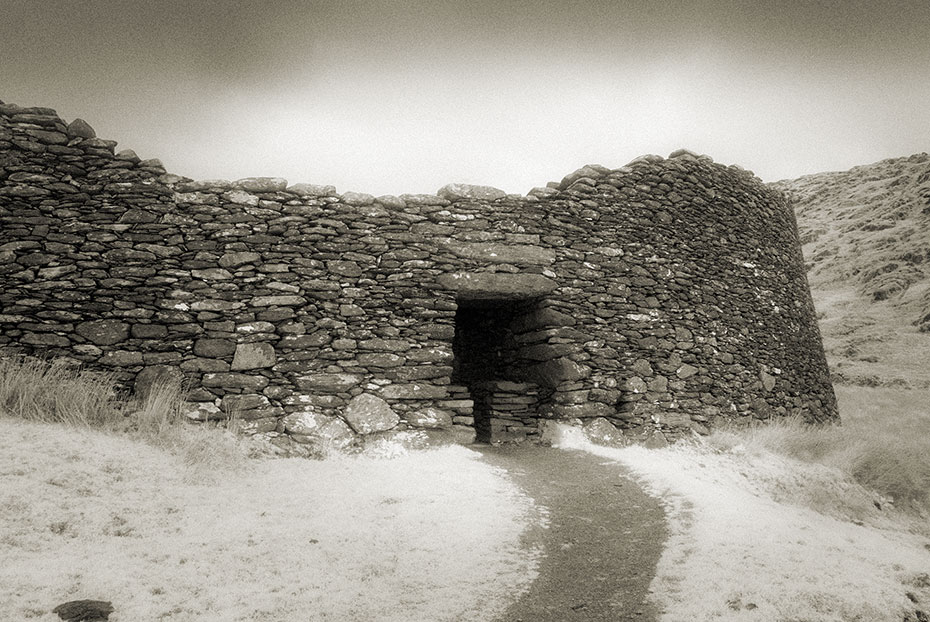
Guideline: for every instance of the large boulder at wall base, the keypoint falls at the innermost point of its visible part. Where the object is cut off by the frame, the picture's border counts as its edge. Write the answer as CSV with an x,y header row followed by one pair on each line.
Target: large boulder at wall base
x,y
156,375
602,432
324,433
204,411
368,413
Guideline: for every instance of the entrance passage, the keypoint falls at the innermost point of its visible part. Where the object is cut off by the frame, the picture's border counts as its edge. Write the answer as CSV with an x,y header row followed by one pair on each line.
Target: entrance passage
x,y
487,348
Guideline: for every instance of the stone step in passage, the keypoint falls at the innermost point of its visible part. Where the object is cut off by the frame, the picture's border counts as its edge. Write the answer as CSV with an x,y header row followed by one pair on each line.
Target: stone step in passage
x,y
506,411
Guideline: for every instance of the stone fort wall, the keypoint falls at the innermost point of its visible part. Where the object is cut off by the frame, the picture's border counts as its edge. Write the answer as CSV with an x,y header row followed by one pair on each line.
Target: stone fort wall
x,y
664,297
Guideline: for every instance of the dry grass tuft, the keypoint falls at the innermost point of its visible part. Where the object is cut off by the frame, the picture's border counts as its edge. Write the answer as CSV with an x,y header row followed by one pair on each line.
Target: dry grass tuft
x,y
54,392
160,421
883,442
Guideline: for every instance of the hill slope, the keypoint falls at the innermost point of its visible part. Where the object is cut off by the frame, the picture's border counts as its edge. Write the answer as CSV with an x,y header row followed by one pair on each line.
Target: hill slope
x,y
866,237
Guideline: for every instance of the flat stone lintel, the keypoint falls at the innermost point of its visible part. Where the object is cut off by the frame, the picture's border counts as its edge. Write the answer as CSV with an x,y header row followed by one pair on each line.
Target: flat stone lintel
x,y
496,285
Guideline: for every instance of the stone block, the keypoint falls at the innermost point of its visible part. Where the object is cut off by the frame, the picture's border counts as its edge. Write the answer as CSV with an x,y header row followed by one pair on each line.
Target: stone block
x,y
602,432
502,253
304,422
380,359
204,411
257,355
236,259
414,391
634,385
429,417
768,381
658,384
103,332
212,274
46,340
327,382
351,310
278,301
79,128
420,372
245,401
261,184
552,373
357,198
455,192
121,358
344,268
672,419
215,305
436,355
235,381
312,190
149,331
255,426
204,365
214,348
241,197
327,434
654,439
496,285
385,345
579,411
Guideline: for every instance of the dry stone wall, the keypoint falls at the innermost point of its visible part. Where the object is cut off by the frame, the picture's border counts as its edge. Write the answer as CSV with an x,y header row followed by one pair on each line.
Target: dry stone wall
x,y
663,297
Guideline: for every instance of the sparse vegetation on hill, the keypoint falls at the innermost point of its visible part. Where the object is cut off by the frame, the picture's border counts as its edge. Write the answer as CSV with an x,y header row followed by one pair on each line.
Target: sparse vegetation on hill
x,y
866,237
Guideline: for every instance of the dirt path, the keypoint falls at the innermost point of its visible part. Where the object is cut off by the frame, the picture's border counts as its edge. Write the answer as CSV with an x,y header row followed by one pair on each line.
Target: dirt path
x,y
604,538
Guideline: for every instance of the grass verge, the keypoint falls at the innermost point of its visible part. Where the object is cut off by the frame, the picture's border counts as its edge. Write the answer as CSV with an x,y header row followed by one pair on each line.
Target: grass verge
x,y
883,443
56,392
53,391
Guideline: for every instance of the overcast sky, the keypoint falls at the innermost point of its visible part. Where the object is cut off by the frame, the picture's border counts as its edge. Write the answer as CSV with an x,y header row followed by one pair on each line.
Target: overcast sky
x,y
394,96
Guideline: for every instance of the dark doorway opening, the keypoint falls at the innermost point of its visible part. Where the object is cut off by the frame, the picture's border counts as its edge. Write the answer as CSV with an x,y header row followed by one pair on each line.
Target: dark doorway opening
x,y
489,338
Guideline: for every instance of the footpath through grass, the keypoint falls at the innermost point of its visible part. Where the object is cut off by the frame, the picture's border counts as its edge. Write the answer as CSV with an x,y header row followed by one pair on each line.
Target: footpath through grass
x,y
790,522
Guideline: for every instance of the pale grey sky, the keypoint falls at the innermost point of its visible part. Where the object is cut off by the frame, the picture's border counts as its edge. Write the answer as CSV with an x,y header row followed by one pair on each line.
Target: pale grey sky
x,y
388,96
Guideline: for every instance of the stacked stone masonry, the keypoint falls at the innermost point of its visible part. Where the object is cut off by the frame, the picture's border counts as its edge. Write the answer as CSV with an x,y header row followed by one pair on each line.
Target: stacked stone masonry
x,y
664,297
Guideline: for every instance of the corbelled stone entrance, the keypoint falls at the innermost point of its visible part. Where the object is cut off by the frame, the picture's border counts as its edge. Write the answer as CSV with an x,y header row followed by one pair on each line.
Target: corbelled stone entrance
x,y
493,348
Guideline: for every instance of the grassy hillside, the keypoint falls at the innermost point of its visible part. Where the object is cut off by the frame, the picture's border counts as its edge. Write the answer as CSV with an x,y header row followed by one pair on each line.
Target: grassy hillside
x,y
866,236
